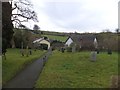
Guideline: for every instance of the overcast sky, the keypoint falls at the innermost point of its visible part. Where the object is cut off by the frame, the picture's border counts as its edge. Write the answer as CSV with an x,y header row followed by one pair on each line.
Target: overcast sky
x,y
76,15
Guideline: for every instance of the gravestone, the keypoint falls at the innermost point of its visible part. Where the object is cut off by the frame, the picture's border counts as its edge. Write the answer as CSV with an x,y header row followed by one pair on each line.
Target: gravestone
x,y
30,52
22,52
109,52
97,51
73,49
27,51
62,49
93,56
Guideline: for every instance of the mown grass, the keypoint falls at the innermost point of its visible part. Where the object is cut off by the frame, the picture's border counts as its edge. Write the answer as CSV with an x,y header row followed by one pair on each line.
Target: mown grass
x,y
15,63
75,70
60,38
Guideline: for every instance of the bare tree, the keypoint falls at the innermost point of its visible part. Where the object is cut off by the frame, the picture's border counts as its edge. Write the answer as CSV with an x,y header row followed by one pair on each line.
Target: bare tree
x,y
16,11
36,29
117,30
22,11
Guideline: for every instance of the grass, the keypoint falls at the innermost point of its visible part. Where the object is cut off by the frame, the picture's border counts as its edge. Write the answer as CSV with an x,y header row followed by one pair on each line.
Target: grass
x,y
15,63
54,37
75,70
0,71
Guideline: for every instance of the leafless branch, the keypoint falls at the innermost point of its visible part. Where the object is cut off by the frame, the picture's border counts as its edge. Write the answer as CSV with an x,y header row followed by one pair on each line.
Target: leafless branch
x,y
22,16
14,7
26,3
19,20
24,11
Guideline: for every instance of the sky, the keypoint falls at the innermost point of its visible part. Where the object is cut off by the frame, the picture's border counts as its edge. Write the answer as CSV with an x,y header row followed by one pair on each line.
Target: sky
x,y
76,15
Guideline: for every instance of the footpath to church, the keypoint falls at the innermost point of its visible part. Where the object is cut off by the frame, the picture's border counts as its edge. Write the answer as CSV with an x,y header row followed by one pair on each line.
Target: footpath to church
x,y
28,76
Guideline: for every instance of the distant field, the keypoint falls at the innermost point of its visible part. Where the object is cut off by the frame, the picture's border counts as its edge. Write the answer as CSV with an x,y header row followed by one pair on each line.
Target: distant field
x,y
15,62
75,70
60,38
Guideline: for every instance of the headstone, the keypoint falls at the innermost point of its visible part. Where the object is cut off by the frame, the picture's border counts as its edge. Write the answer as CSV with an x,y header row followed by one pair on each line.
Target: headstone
x,y
30,52
22,52
109,52
62,49
93,55
97,51
27,51
73,49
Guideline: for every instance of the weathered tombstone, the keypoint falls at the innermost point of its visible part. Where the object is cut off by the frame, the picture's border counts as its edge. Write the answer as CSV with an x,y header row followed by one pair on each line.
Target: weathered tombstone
x,y
109,52
62,49
73,49
27,51
93,55
59,49
30,52
97,51
22,52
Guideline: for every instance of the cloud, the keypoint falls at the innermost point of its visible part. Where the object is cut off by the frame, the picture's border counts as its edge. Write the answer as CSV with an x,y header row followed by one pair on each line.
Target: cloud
x,y
77,15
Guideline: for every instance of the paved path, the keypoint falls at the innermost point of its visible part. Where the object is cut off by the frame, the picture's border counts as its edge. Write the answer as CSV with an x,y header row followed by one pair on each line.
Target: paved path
x,y
28,77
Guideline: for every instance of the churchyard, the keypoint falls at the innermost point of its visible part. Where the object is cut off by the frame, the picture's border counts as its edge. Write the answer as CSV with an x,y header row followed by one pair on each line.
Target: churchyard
x,y
76,70
65,69
57,54
15,62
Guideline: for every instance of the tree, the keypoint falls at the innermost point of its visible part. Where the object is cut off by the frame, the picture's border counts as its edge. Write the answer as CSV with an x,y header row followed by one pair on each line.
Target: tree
x,y
24,12
107,41
18,38
20,11
36,28
117,30
7,26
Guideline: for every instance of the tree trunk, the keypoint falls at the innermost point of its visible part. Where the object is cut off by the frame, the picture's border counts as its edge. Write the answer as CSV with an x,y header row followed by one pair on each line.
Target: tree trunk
x,y
13,43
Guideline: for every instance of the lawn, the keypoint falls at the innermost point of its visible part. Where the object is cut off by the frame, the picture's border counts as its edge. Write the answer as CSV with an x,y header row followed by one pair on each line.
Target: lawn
x,y
75,70
59,38
15,63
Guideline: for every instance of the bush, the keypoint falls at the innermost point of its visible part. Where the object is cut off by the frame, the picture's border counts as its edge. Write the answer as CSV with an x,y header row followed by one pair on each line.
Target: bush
x,y
23,36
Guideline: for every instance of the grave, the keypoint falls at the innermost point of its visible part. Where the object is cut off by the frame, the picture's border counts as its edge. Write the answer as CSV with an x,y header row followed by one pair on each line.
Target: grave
x,y
93,56
109,52
62,50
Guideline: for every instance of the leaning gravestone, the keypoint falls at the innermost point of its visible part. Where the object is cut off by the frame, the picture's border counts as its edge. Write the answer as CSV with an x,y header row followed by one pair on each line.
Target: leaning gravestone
x,y
93,56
